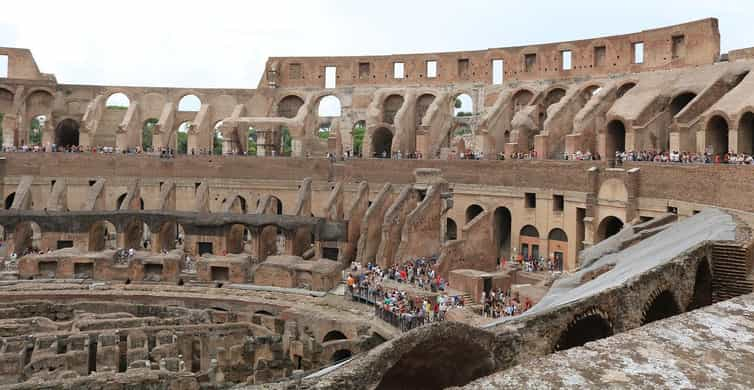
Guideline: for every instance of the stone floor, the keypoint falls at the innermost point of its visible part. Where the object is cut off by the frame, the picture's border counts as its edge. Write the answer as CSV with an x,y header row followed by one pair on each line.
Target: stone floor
x,y
710,348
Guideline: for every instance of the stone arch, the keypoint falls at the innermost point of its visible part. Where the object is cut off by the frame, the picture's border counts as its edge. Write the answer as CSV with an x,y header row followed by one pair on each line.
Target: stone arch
x,y
9,200
528,239
624,88
329,107
181,138
102,236
589,91
615,138
529,231
717,135
521,99
334,335
117,100
277,204
702,286
171,236
557,245
423,102
391,105
67,133
501,230
341,355
264,313
189,103
557,234
680,101
588,326
27,237
746,133
147,133
661,304
36,128
472,211
451,229
135,235
608,227
238,236
463,105
288,106
382,141
236,205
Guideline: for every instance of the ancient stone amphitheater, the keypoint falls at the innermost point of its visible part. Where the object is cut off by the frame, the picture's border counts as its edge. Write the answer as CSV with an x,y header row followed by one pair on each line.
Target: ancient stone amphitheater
x,y
135,256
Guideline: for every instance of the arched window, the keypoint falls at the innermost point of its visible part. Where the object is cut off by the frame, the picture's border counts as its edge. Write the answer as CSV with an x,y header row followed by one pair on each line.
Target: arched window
x,y
451,230
472,212
463,105
334,335
529,231
717,135
182,134
117,101
329,106
190,103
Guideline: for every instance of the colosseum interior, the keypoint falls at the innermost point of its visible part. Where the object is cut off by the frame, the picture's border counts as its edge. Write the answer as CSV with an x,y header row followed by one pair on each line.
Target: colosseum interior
x,y
189,238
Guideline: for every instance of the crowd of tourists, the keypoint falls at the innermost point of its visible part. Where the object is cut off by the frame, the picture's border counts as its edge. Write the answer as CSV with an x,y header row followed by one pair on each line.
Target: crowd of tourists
x,y
535,264
498,303
403,308
685,157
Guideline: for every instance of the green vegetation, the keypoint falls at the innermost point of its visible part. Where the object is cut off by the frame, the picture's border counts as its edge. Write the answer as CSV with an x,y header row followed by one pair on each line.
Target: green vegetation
x,y
251,144
286,140
464,114
182,142
324,131
147,132
358,138
458,104
462,131
117,107
217,143
35,137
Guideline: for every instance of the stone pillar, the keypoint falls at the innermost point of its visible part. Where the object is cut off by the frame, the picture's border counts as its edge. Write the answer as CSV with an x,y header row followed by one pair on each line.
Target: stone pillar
x,y
573,143
541,146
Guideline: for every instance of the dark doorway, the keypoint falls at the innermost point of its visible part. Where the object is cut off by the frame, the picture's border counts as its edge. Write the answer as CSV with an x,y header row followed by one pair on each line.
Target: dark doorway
x,y
341,355
502,231
67,133
609,227
62,244
472,212
702,286
616,139
585,329
451,230
382,142
204,247
662,306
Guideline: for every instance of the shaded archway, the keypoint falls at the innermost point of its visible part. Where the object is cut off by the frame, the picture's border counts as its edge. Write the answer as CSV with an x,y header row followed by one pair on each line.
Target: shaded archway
x,y
341,355
557,244
522,99
102,236
587,327
27,237
528,239
746,133
382,141
277,204
609,227
9,200
451,230
717,135
502,231
623,89
680,101
615,140
422,105
334,335
662,305
391,106
236,205
67,133
171,236
189,103
147,133
702,286
136,235
472,211
238,236
552,97
288,106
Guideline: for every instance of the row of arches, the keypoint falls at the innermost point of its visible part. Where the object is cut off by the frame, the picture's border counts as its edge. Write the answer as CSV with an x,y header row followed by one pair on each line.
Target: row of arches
x,y
119,101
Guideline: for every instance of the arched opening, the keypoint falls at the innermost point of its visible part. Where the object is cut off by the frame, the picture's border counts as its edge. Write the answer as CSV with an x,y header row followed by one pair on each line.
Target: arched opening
x,y
357,135
341,355
391,106
102,236
502,231
35,129
171,236
439,364
522,99
329,106
662,306
422,105
382,142
702,286
588,92
615,140
625,88
190,103
288,106
67,133
680,101
334,335
557,244
27,238
451,230
218,139
717,135
472,211
137,235
9,200
463,105
609,227
117,101
528,239
236,205
552,97
264,313
147,133
237,239
584,329
746,133
277,205
182,137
